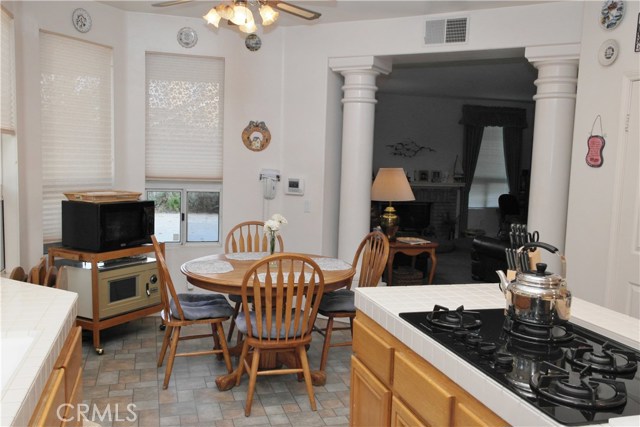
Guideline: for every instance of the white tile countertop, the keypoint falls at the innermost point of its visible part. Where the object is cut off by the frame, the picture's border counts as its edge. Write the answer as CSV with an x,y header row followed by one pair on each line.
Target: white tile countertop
x,y
383,304
35,321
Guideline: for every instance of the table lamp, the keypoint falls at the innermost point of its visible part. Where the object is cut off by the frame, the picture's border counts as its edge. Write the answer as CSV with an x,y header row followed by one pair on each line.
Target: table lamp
x,y
391,185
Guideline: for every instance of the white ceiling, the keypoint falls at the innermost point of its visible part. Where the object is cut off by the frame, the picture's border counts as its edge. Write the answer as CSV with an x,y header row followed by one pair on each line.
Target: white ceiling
x,y
509,77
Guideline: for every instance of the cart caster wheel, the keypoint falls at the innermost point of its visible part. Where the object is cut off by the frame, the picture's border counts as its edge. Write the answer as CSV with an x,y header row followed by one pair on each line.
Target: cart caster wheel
x,y
162,327
99,351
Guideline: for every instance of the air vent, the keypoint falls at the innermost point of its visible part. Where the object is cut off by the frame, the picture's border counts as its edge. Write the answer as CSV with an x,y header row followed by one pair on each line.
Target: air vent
x,y
453,30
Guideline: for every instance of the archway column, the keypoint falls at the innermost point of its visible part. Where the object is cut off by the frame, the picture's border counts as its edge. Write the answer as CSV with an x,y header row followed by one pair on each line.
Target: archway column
x,y
552,139
358,116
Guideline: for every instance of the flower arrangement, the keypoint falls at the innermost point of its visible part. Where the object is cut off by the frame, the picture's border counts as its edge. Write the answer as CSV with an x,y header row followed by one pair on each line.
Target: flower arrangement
x,y
272,228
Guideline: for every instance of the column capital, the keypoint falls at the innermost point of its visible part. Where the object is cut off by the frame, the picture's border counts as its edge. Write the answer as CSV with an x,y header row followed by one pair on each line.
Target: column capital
x,y
559,52
361,63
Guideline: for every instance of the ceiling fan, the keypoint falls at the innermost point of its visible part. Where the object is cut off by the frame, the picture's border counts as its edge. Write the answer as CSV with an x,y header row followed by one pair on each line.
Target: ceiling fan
x,y
292,9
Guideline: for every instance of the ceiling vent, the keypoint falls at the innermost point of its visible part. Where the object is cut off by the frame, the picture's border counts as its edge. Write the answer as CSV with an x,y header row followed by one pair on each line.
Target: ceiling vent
x,y
453,30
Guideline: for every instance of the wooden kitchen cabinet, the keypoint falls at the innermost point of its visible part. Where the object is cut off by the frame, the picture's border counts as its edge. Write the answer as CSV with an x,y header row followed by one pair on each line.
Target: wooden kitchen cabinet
x,y
62,394
420,394
96,324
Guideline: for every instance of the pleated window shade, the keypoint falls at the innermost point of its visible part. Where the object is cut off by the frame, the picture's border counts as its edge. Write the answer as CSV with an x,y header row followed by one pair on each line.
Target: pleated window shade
x,y
184,117
76,122
7,74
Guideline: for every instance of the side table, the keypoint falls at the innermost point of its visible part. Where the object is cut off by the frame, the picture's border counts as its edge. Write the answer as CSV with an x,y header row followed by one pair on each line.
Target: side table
x,y
411,250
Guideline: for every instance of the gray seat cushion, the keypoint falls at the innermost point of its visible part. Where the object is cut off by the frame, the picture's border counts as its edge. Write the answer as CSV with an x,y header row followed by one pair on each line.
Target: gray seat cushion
x,y
241,323
238,298
203,306
341,300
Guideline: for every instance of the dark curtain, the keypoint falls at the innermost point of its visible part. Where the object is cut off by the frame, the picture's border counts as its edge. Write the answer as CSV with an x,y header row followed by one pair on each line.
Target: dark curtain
x,y
475,118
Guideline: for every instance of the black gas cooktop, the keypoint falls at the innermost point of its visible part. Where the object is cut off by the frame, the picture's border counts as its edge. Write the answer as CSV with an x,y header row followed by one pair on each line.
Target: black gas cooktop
x,y
570,373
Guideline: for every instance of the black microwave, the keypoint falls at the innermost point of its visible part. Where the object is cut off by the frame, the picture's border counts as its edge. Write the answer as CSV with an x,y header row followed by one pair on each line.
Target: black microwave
x,y
100,227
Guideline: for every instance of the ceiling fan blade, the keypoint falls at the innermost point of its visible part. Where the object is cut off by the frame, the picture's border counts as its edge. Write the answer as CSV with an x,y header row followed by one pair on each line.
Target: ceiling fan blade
x,y
298,11
170,3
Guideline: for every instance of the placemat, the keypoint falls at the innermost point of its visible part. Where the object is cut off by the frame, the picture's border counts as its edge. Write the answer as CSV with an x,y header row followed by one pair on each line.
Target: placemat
x,y
331,264
274,277
208,265
246,256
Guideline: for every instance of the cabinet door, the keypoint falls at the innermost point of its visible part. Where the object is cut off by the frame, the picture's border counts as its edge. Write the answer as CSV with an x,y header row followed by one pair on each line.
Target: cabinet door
x,y
49,412
471,413
401,416
370,400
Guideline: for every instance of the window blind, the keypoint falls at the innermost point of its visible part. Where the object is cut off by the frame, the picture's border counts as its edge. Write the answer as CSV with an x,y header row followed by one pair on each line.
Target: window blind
x,y
184,117
7,74
76,122
490,178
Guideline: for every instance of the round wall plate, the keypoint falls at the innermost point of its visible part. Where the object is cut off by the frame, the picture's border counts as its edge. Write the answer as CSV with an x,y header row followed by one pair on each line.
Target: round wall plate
x,y
611,14
81,20
253,42
187,37
608,52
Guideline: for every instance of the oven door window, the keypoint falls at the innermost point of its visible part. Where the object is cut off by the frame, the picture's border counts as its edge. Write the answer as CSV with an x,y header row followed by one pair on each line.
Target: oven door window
x,y
122,289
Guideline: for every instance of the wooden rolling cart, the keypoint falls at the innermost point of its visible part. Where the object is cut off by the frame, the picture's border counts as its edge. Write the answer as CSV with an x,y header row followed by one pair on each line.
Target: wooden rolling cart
x,y
96,324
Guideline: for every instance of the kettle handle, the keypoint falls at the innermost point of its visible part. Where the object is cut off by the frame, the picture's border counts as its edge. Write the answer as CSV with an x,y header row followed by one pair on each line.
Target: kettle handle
x,y
548,247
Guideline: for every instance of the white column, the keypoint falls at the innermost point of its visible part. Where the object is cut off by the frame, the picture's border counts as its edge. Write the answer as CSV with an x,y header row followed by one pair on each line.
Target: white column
x,y
357,147
552,139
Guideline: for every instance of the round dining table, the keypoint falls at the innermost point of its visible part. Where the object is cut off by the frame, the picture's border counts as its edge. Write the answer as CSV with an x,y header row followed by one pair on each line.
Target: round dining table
x,y
224,273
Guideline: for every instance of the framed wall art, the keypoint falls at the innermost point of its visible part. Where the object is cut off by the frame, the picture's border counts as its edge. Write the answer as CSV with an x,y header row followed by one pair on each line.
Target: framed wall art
x,y
256,136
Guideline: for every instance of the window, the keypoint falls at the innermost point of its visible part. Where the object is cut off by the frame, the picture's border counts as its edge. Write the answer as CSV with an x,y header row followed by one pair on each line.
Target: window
x,y
490,178
76,122
184,145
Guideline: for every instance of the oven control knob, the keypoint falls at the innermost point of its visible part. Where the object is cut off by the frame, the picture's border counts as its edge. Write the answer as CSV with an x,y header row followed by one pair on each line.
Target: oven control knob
x,y
153,279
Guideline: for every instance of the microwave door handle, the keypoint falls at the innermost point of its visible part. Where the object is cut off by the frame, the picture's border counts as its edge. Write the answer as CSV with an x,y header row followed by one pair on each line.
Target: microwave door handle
x,y
148,291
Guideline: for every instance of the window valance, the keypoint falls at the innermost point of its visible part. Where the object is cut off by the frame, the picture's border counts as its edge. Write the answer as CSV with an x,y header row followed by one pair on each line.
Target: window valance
x,y
477,115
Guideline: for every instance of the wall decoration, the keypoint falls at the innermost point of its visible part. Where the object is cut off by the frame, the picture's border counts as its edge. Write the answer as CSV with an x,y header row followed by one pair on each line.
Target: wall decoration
x,y
407,148
595,145
253,42
608,52
422,175
436,176
187,37
637,49
256,136
611,14
81,20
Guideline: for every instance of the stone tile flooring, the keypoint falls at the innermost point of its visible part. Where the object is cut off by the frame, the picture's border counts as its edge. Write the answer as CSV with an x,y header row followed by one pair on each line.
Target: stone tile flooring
x,y
123,387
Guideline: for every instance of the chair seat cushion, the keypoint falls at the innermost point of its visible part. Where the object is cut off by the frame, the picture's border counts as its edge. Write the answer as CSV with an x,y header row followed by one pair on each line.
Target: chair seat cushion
x,y
241,323
341,300
203,306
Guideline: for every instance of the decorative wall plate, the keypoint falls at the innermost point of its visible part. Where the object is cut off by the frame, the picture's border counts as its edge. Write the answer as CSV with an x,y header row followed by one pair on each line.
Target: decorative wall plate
x,y
253,42
187,37
81,20
608,52
256,136
611,13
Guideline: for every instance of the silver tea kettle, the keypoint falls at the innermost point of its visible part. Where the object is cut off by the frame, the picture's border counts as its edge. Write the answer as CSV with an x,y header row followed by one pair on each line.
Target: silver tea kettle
x,y
537,297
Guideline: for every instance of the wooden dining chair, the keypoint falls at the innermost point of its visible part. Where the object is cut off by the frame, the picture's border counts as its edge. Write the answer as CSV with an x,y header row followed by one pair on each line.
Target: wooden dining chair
x,y
38,272
18,274
184,310
247,236
282,287
50,278
371,256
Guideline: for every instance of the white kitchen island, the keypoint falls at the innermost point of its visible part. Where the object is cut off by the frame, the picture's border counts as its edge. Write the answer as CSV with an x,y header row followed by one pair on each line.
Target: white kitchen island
x,y
383,305
36,321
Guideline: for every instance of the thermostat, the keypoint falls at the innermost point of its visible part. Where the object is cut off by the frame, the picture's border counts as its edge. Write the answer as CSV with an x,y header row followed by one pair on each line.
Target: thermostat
x,y
295,186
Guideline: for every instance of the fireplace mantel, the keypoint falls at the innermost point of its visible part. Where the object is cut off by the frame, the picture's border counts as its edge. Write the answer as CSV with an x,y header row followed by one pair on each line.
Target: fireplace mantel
x,y
425,191
437,184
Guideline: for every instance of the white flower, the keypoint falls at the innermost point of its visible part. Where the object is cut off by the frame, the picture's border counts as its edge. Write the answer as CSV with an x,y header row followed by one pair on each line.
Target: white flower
x,y
279,218
271,226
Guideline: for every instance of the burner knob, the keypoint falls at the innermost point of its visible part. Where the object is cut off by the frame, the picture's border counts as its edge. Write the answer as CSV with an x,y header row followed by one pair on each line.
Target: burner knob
x,y
503,359
473,340
460,334
487,348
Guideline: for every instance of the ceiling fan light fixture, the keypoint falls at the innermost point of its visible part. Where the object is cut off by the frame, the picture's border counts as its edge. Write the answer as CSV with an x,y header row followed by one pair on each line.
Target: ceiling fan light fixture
x,y
225,11
213,17
268,14
248,28
241,14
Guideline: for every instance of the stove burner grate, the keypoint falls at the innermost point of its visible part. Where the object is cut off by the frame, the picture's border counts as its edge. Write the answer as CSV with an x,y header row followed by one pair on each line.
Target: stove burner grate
x,y
575,389
609,360
556,334
442,317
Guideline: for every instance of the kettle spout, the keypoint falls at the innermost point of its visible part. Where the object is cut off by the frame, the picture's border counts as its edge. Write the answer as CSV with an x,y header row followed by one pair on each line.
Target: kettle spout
x,y
504,282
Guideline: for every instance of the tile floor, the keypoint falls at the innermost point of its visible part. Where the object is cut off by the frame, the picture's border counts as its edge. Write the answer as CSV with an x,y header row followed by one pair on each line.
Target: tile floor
x,y
127,374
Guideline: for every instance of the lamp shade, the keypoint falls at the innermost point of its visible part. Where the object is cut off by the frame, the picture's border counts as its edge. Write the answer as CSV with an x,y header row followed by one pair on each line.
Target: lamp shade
x,y
391,185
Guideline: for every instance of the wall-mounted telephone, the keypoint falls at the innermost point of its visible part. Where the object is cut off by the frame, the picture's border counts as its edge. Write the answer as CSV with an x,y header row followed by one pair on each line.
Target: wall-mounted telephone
x,y
269,178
